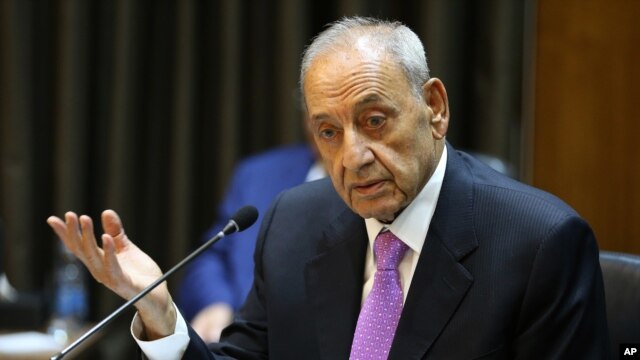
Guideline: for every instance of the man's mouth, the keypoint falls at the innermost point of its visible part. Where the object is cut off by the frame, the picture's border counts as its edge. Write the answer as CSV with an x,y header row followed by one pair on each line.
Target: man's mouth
x,y
368,188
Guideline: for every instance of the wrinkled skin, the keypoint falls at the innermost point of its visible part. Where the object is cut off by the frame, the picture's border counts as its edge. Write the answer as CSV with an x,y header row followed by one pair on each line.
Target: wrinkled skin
x,y
380,143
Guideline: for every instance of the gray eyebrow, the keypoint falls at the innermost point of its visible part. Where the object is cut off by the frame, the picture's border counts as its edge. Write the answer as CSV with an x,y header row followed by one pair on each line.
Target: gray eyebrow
x,y
370,98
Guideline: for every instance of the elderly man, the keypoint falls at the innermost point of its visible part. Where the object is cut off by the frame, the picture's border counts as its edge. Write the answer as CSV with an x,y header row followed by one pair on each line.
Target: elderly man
x,y
412,250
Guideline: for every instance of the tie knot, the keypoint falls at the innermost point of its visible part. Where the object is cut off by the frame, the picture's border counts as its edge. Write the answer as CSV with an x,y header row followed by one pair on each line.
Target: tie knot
x,y
389,250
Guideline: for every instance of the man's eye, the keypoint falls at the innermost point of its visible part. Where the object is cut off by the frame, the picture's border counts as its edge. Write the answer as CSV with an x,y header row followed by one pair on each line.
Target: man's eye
x,y
375,121
327,133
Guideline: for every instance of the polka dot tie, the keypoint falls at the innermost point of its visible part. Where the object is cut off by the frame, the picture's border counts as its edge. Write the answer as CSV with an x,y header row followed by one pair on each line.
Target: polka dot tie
x,y
381,310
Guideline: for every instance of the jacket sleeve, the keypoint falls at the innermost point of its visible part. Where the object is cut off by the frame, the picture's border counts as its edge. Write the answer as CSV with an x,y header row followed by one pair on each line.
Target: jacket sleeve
x,y
563,313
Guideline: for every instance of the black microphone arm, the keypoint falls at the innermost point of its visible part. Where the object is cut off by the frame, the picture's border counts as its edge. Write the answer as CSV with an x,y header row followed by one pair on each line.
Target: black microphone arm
x,y
241,220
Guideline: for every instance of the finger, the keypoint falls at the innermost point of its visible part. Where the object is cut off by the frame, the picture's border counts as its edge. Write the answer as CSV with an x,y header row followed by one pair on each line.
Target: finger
x,y
58,226
111,223
98,268
112,226
109,252
62,228
72,235
73,227
112,266
88,241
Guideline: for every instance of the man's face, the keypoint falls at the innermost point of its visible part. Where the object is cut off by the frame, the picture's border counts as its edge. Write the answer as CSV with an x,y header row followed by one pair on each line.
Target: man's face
x,y
379,142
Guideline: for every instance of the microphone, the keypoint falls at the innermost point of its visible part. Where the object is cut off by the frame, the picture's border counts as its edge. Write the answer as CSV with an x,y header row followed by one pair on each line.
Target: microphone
x,y
242,219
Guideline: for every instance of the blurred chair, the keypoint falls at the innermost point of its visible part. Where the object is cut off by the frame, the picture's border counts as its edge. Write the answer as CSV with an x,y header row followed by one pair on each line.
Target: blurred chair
x,y
621,273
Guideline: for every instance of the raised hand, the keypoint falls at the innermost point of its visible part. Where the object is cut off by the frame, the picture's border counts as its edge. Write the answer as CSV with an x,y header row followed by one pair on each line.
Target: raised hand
x,y
119,265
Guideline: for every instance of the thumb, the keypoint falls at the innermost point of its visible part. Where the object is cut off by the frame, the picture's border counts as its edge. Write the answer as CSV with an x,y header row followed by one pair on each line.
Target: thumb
x,y
111,223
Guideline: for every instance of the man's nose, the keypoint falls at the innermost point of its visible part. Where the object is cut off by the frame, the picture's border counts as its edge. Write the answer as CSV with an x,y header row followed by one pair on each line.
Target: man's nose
x,y
356,151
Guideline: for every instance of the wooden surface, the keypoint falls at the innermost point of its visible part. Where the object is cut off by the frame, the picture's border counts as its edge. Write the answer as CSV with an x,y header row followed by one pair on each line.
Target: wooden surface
x,y
586,141
35,351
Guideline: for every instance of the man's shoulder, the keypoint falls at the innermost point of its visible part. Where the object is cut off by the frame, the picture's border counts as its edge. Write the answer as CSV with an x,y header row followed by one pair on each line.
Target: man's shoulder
x,y
510,215
318,199
306,212
497,189
313,192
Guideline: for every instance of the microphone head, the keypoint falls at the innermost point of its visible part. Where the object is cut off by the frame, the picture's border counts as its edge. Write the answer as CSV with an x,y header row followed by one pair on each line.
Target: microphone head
x,y
245,217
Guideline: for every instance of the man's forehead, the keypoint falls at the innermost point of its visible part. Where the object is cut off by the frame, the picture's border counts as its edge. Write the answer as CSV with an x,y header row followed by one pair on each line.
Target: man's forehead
x,y
330,73
362,49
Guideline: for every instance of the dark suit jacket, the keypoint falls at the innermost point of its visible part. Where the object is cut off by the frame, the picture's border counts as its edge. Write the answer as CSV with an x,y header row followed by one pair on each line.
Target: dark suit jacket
x,y
506,272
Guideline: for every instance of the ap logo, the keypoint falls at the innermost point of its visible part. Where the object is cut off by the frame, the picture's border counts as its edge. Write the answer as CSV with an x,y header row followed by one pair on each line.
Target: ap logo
x,y
629,351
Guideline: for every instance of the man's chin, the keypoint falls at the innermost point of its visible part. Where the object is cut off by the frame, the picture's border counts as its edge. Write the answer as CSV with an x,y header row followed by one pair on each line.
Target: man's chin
x,y
382,214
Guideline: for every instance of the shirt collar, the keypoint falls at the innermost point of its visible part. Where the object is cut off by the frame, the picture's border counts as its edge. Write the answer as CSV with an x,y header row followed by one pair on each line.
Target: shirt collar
x,y
412,224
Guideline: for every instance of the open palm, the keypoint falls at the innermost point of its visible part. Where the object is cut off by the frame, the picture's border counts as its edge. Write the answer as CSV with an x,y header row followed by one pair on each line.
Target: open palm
x,y
119,264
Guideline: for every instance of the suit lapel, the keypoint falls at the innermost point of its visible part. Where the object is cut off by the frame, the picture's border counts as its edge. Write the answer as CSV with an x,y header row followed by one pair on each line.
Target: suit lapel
x,y
334,277
334,284
440,282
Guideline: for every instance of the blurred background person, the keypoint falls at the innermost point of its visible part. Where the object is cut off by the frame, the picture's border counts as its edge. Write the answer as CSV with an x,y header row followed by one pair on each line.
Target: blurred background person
x,y
217,282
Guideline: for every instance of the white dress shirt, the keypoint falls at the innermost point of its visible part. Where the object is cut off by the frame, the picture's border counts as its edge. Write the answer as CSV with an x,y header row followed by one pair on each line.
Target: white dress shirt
x,y
410,226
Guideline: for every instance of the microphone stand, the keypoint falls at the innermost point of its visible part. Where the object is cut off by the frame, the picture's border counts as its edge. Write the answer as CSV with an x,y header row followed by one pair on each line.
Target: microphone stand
x,y
227,230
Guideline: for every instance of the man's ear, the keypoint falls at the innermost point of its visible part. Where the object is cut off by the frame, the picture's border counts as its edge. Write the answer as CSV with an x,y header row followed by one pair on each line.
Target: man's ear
x,y
435,96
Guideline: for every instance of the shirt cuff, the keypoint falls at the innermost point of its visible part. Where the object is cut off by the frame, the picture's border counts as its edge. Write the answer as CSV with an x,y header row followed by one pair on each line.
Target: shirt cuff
x,y
167,348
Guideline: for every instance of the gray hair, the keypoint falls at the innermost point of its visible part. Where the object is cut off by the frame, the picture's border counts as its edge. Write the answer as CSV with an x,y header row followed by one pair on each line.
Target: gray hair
x,y
394,38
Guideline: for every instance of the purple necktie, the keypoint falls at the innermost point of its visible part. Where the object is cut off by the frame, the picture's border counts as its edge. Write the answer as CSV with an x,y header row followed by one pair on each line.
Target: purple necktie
x,y
381,310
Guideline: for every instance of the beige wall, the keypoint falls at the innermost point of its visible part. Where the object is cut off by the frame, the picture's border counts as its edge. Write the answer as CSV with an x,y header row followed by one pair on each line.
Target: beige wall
x,y
586,113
